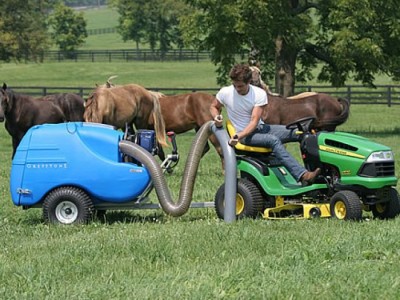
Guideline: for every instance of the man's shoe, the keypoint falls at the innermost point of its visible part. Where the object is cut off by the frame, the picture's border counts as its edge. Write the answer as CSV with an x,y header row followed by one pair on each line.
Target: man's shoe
x,y
309,177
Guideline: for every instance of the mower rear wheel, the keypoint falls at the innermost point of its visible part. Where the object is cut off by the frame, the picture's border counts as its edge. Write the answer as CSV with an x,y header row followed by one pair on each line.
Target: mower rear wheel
x,y
249,201
389,209
67,205
346,205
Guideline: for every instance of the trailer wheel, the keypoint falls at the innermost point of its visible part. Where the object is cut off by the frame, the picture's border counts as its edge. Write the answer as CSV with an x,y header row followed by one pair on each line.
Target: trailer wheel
x,y
389,209
67,205
249,201
346,205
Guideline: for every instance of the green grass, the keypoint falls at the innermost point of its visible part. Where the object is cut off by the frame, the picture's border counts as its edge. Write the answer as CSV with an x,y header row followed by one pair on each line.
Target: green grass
x,y
101,17
145,254
148,74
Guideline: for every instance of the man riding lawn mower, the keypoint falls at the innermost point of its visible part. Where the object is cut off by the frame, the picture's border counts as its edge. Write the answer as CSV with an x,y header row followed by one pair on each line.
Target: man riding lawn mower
x,y
356,174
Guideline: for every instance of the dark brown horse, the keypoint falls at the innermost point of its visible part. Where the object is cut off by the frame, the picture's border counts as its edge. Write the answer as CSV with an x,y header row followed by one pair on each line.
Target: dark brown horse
x,y
21,112
329,111
123,105
72,105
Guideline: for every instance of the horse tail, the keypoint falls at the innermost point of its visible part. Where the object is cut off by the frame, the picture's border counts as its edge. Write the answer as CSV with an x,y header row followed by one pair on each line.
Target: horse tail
x,y
331,124
109,84
91,113
159,124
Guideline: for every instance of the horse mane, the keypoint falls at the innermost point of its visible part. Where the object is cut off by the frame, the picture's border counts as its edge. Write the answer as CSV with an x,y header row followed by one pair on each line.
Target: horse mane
x,y
302,95
158,95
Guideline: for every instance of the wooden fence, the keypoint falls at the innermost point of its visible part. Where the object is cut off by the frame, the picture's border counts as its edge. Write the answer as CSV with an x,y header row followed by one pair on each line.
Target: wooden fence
x,y
383,94
124,55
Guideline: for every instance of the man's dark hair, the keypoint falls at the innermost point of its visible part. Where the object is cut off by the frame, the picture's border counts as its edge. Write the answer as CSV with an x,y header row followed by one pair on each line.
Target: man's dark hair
x,y
241,72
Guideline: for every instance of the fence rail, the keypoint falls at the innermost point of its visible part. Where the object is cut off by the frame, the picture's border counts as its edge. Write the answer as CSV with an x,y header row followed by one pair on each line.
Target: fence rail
x,y
124,55
383,94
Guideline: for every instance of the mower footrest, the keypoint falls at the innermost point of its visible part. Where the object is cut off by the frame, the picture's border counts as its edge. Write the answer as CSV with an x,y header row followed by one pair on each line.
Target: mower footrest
x,y
298,211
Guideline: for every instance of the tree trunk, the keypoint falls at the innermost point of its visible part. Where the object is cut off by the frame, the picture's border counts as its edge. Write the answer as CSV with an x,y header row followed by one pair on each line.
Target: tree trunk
x,y
285,62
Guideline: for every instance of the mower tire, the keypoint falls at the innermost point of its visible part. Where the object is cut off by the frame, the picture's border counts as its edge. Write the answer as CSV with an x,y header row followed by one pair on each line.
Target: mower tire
x,y
389,209
346,205
249,201
67,205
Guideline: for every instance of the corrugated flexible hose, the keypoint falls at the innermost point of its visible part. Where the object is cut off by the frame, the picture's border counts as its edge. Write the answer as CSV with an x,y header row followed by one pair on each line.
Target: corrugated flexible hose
x,y
189,176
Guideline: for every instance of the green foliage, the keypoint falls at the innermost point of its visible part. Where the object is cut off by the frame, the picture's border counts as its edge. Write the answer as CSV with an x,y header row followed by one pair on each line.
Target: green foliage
x,y
353,40
23,31
154,22
69,28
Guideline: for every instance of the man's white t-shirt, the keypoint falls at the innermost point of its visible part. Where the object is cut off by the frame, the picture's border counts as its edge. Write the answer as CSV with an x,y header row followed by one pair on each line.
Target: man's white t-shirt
x,y
239,107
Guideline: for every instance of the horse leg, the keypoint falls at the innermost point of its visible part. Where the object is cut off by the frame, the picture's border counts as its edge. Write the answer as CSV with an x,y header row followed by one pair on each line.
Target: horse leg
x,y
15,143
160,152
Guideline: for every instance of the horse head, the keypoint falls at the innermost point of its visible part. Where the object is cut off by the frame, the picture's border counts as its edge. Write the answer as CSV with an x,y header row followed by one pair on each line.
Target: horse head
x,y
257,80
256,76
4,101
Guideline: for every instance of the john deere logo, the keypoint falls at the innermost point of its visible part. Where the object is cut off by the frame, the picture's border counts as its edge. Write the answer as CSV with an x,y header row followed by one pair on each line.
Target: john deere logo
x,y
341,152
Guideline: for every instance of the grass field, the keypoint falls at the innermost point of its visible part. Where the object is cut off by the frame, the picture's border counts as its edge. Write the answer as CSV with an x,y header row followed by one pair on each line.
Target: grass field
x,y
144,254
148,74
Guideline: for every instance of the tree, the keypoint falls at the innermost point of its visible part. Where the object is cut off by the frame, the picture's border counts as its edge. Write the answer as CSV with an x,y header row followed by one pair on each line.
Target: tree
x,y
23,30
348,39
69,28
155,22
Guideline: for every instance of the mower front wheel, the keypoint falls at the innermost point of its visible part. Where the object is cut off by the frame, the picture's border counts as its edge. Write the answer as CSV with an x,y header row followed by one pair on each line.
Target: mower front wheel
x,y
67,205
389,209
249,201
346,205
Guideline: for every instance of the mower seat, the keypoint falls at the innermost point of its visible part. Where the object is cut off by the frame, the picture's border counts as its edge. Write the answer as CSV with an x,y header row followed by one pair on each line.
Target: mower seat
x,y
245,148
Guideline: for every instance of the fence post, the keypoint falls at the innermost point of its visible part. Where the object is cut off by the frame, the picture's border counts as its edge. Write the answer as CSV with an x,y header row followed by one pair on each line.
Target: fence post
x,y
349,93
389,93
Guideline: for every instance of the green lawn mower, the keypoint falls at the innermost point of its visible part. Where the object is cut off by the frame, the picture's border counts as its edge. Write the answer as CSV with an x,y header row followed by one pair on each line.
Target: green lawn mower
x,y
357,175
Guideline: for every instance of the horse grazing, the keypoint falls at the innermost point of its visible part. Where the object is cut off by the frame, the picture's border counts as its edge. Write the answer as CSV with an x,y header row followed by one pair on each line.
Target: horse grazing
x,y
329,111
72,105
123,105
21,112
184,112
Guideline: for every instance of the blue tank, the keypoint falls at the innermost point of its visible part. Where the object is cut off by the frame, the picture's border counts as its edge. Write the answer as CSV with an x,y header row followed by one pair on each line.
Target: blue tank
x,y
83,155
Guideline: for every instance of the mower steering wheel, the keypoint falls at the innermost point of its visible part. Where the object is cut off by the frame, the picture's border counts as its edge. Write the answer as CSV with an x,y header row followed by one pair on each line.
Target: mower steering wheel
x,y
302,124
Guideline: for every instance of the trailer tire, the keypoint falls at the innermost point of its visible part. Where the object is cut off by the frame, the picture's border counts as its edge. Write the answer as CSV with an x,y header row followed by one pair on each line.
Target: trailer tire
x,y
346,205
389,209
249,201
67,205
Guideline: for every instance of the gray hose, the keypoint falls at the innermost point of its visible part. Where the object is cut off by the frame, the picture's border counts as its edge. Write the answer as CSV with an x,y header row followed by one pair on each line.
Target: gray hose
x,y
157,175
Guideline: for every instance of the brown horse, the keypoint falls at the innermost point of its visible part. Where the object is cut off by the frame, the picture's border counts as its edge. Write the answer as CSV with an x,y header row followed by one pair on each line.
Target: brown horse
x,y
190,111
123,105
328,111
185,112
21,112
